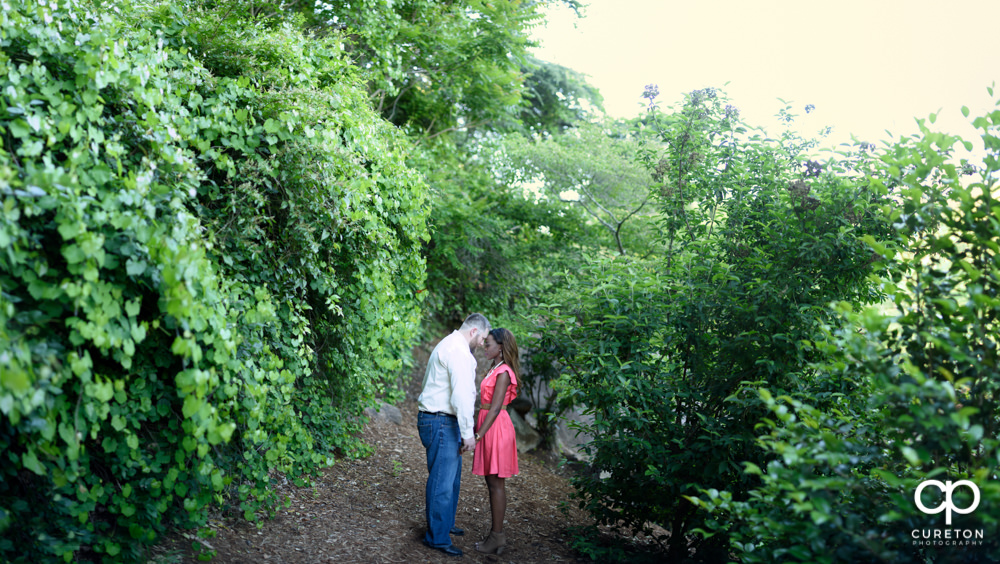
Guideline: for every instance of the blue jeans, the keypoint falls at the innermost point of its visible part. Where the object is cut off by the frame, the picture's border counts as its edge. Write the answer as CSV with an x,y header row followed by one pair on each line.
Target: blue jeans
x,y
440,436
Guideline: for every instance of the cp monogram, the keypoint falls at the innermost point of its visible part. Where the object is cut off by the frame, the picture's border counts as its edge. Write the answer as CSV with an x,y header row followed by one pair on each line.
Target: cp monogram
x,y
948,505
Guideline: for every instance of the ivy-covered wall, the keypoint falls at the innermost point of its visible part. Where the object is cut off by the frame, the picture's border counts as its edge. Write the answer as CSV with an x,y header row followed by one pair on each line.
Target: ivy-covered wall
x,y
209,263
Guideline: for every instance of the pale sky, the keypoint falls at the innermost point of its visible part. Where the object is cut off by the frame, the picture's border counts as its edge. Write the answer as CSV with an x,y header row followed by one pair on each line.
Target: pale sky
x,y
867,66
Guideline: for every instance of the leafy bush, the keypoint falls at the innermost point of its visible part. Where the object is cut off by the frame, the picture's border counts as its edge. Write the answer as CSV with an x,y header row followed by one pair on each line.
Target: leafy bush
x,y
844,473
667,353
493,248
210,262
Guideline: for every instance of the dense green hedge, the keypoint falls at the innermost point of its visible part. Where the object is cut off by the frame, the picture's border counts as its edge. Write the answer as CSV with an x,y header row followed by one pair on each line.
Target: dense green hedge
x,y
667,352
923,384
209,263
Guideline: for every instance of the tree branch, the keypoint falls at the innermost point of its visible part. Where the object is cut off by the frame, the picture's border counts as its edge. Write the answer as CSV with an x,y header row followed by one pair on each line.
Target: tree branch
x,y
604,209
456,128
597,217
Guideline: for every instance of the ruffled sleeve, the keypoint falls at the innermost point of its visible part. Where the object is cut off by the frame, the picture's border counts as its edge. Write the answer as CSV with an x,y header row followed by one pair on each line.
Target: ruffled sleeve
x,y
512,388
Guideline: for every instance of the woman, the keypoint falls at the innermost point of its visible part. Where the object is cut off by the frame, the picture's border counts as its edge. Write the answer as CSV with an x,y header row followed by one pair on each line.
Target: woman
x,y
496,450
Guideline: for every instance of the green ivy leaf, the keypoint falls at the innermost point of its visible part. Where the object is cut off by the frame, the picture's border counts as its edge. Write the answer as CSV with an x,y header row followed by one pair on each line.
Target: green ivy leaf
x,y
30,461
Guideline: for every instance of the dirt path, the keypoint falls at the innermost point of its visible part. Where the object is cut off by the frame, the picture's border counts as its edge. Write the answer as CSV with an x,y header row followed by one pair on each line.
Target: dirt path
x,y
372,510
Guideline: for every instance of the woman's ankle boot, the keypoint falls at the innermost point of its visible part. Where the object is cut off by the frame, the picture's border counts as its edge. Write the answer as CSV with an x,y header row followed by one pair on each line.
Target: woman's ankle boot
x,y
494,544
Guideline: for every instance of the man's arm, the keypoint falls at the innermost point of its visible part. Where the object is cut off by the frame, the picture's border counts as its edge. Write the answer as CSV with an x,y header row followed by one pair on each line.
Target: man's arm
x,y
462,372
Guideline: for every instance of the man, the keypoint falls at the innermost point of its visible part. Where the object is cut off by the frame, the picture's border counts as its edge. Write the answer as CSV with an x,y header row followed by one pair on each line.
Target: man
x,y
445,423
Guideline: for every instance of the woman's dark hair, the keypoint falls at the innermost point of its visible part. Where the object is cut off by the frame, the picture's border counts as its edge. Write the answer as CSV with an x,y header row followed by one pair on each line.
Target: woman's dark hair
x,y
508,348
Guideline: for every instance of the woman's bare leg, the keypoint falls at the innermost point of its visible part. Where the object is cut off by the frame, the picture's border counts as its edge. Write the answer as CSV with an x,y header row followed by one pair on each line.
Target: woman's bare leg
x,y
498,501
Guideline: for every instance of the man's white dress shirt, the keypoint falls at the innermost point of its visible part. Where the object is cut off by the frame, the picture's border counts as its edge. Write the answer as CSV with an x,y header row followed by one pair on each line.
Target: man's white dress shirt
x,y
450,382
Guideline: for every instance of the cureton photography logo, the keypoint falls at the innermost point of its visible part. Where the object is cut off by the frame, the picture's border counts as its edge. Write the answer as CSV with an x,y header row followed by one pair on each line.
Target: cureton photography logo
x,y
948,536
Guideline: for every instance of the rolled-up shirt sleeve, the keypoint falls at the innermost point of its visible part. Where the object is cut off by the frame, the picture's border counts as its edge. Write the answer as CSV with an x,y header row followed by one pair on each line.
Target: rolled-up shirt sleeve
x,y
462,372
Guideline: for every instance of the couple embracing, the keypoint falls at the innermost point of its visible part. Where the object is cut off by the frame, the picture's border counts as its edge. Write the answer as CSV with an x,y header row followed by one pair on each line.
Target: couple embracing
x,y
449,426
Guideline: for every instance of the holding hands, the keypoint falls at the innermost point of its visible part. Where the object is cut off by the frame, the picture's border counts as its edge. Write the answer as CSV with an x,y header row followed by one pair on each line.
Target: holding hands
x,y
468,445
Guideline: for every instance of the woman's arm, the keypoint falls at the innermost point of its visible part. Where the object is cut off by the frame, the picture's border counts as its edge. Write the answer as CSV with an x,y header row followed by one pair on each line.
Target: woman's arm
x,y
499,393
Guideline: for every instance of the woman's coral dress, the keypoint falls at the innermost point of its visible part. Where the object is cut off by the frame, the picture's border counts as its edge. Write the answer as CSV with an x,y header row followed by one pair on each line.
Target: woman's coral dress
x,y
496,452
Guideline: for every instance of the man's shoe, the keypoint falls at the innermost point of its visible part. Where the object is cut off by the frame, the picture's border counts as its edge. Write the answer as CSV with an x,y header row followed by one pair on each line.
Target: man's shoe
x,y
457,532
450,550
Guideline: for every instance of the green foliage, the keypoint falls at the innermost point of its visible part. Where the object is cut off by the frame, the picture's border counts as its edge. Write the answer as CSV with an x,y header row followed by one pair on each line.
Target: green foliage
x,y
667,352
209,249
435,66
447,73
841,486
556,98
335,193
591,166
493,247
